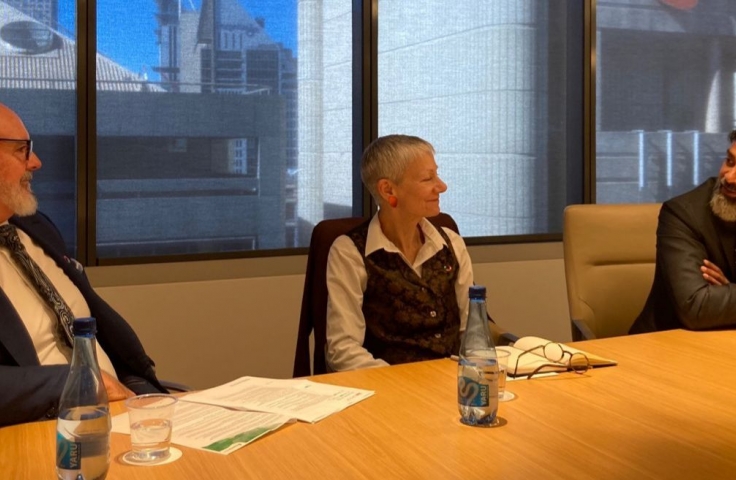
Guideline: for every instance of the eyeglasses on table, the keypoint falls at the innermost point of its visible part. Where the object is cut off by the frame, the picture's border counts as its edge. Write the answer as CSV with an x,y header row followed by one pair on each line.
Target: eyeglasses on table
x,y
566,360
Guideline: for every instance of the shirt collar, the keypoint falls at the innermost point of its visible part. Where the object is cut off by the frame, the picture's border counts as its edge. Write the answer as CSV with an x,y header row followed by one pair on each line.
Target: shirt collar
x,y
376,239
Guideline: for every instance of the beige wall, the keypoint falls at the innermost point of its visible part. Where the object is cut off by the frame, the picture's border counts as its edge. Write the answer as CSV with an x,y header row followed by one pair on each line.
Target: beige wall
x,y
206,323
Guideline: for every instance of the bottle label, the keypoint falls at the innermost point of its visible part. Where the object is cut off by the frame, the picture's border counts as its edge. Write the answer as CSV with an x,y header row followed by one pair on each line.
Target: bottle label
x,y
471,393
68,453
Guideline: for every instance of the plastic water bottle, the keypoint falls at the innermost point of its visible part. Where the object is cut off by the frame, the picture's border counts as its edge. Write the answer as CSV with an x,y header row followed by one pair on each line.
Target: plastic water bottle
x,y
477,369
83,426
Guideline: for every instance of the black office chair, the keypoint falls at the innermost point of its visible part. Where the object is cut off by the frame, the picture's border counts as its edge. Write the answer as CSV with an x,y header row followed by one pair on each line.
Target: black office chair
x,y
314,298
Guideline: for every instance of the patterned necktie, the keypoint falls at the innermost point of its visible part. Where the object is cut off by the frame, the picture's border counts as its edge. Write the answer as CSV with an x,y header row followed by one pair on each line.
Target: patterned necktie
x,y
9,239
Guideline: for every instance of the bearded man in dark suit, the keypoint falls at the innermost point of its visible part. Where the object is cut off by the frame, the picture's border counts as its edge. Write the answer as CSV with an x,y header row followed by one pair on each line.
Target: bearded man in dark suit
x,y
696,238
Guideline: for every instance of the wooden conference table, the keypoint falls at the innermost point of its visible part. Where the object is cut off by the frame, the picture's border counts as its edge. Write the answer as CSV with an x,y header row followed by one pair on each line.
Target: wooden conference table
x,y
668,410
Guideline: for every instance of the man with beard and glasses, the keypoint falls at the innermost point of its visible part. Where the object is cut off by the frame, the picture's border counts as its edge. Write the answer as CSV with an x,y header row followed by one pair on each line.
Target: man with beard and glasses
x,y
696,238
41,291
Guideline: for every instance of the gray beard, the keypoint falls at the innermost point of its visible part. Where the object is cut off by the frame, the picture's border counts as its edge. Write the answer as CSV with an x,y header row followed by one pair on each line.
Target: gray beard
x,y
722,207
18,199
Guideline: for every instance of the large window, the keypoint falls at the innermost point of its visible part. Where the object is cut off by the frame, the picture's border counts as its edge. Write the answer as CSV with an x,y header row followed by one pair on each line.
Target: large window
x,y
494,87
38,71
217,122
217,127
664,96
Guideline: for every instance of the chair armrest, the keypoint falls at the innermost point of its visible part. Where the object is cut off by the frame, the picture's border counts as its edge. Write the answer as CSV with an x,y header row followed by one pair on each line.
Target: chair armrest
x,y
175,387
499,335
507,338
581,331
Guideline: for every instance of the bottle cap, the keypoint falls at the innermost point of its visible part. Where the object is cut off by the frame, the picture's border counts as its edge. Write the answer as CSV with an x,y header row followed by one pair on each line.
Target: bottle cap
x,y
84,326
477,291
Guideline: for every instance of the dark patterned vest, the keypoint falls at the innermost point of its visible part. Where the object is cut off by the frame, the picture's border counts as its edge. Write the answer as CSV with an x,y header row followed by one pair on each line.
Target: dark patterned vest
x,y
409,318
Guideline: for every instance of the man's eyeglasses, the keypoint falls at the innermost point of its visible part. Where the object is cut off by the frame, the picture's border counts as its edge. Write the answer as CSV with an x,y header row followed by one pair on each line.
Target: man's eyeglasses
x,y
577,362
26,150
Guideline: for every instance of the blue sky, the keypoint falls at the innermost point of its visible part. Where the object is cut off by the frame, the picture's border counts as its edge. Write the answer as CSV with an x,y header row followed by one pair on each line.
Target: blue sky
x,y
126,28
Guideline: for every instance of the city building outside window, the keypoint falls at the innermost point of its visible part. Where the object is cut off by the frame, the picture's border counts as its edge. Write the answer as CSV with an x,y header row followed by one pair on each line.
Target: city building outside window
x,y
664,96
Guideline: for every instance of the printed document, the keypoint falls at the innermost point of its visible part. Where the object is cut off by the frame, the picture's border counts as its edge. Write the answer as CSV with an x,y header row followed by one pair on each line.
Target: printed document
x,y
300,399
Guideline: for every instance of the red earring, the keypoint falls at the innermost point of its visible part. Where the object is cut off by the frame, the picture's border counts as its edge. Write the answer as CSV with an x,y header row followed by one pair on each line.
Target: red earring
x,y
393,201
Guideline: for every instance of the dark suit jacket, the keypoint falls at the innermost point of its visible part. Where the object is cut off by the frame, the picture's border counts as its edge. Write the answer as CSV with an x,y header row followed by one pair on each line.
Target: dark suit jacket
x,y
689,232
29,391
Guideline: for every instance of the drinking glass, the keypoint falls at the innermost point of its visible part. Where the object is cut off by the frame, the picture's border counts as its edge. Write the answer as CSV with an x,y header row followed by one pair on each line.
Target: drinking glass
x,y
503,363
151,419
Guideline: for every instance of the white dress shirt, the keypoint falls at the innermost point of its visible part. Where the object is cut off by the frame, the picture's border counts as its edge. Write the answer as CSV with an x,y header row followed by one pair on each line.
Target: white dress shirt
x,y
38,318
347,280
